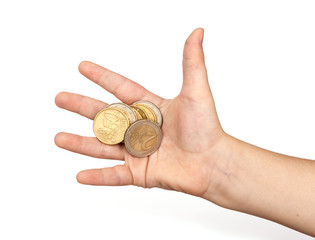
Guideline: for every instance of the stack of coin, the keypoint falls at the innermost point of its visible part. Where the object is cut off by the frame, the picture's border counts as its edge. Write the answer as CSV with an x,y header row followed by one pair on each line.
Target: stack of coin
x,y
138,126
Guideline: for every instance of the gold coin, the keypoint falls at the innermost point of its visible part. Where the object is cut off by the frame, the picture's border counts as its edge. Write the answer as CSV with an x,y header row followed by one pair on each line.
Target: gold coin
x,y
110,125
143,138
148,112
126,109
155,109
140,114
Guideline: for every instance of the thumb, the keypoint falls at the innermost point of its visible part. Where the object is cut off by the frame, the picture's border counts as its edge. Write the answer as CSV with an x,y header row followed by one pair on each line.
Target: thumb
x,y
195,79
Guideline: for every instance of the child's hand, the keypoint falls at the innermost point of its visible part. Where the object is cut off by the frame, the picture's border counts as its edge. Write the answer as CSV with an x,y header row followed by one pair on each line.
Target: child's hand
x,y
196,156
192,136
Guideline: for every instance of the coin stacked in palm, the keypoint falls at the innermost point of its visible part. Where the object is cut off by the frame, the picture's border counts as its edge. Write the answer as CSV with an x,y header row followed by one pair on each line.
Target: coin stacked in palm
x,y
138,126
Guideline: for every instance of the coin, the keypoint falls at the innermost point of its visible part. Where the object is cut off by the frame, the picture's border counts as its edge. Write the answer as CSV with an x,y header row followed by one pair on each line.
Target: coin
x,y
127,110
143,138
148,112
140,114
110,125
155,109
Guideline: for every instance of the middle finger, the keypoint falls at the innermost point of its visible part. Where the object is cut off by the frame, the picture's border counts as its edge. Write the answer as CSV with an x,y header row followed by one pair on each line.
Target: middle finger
x,y
85,106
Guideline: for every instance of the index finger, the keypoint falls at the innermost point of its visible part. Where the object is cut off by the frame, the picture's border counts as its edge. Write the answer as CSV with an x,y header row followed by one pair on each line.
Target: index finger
x,y
123,88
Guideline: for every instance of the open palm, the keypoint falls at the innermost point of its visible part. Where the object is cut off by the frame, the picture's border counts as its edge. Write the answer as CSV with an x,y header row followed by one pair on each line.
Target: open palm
x,y
191,130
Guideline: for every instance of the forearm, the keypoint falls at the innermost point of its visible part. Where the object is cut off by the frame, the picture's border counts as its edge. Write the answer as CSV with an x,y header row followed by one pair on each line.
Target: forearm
x,y
269,185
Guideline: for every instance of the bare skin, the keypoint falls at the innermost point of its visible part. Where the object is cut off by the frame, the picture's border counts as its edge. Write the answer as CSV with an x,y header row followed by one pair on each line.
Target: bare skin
x,y
196,156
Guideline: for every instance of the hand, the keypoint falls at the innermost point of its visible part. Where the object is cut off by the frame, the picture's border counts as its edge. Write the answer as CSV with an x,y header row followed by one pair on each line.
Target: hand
x,y
187,158
196,156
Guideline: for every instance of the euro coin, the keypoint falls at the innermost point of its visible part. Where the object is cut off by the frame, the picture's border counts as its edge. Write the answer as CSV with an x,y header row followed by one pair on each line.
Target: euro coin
x,y
110,125
127,110
143,138
140,114
154,108
139,117
148,112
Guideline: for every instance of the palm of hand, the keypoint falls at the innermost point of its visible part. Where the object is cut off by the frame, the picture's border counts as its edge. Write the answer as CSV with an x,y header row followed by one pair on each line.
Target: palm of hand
x,y
191,129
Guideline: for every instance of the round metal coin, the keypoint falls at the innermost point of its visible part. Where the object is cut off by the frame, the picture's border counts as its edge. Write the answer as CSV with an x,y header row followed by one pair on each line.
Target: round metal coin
x,y
143,138
155,109
110,125
148,112
140,114
131,113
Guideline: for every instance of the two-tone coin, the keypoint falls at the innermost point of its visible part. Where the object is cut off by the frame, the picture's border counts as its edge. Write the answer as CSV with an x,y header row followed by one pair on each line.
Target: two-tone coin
x,y
110,125
154,108
143,138
137,126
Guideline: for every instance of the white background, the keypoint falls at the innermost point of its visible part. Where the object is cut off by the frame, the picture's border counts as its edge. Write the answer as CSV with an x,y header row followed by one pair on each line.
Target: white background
x,y
260,57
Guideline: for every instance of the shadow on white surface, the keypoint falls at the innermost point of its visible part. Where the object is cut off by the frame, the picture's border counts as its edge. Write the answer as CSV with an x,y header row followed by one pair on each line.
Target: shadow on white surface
x,y
192,212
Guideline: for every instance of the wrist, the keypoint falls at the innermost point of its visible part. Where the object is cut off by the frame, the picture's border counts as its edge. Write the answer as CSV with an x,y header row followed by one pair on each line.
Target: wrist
x,y
262,183
225,189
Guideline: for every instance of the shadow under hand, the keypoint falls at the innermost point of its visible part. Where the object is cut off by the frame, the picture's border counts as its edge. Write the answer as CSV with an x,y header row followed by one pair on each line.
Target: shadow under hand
x,y
199,213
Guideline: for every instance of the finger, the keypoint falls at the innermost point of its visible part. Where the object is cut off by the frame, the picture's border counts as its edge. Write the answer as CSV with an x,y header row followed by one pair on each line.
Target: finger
x,y
195,80
89,146
124,89
113,176
85,106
